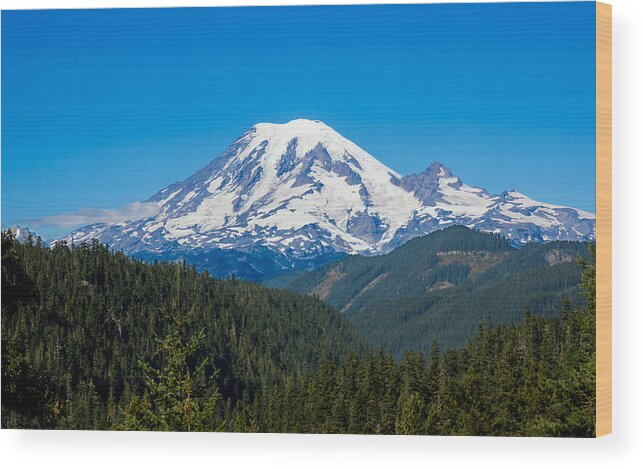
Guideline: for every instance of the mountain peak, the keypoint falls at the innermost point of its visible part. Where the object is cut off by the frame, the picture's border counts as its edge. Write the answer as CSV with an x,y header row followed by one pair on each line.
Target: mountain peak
x,y
22,233
294,140
426,185
298,121
294,127
438,169
294,144
513,194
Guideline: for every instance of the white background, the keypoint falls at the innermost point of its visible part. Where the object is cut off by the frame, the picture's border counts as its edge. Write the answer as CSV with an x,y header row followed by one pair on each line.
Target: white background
x,y
624,448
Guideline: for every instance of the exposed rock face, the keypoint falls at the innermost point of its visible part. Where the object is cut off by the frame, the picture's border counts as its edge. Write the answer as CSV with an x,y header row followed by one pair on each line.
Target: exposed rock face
x,y
556,256
426,185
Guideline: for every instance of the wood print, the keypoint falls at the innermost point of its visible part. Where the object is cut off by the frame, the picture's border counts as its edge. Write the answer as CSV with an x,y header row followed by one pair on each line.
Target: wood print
x,y
379,219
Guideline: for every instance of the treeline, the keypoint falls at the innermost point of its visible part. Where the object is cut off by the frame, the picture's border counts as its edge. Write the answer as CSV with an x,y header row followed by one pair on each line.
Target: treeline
x,y
92,339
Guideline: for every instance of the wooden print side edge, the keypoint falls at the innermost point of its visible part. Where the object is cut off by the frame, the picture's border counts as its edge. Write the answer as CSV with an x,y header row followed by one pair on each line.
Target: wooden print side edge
x,y
603,219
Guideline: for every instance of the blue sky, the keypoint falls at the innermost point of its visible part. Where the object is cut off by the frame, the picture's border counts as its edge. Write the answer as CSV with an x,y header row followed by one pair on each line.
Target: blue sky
x,y
101,108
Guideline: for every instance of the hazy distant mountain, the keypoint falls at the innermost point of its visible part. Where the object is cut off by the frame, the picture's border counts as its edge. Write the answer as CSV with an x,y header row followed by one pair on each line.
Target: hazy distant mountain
x,y
297,194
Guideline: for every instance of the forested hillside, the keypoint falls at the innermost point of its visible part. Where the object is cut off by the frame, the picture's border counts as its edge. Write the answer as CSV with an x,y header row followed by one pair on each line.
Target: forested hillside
x,y
77,322
441,286
536,379
92,339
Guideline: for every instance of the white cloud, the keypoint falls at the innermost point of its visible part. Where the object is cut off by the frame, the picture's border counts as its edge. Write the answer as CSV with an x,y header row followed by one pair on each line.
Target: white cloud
x,y
89,216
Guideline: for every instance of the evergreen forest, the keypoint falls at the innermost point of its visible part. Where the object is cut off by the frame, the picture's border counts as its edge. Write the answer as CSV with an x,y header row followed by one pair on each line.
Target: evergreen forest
x,y
92,339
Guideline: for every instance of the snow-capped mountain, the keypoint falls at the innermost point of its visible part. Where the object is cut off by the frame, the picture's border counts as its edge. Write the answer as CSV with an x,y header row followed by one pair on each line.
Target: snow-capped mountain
x,y
300,191
22,233
446,201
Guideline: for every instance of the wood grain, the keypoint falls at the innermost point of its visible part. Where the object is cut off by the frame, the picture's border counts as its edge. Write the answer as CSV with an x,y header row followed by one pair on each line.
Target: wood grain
x,y
603,219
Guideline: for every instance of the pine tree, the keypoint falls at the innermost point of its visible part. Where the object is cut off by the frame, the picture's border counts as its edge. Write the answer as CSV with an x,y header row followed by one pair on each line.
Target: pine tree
x,y
179,395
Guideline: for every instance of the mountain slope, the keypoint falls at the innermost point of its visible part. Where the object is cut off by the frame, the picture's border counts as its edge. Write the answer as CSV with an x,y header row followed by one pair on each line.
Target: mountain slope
x,y
441,286
293,195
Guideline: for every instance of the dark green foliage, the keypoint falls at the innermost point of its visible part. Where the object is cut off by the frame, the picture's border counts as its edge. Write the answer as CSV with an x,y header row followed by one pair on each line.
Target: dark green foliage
x,y
94,340
80,332
283,279
534,379
441,286
180,395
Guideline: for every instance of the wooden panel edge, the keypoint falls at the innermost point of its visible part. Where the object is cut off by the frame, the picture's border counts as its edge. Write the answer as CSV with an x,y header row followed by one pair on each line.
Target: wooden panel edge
x,y
603,219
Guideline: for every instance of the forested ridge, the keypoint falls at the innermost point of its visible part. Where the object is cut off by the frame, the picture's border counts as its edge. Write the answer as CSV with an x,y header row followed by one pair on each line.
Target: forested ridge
x,y
76,323
93,339
442,285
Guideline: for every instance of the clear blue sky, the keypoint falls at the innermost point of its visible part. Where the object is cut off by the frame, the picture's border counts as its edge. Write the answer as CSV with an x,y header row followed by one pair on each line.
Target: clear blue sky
x,y
101,108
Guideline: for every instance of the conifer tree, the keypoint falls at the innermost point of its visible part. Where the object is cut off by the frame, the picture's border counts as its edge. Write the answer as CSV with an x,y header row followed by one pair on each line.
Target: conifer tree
x,y
178,395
